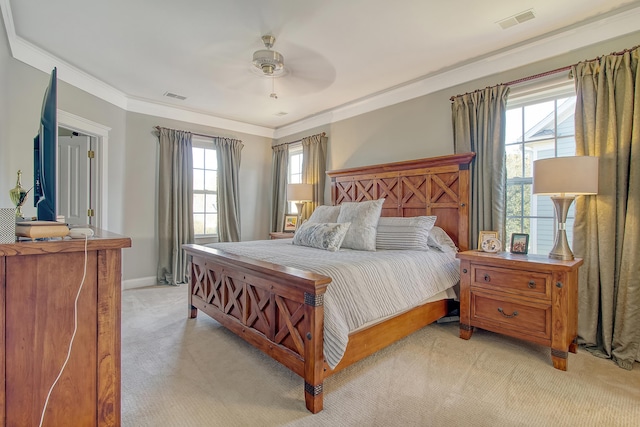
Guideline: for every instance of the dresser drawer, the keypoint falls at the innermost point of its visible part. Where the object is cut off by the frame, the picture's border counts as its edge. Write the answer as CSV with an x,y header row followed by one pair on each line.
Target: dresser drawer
x,y
514,281
500,313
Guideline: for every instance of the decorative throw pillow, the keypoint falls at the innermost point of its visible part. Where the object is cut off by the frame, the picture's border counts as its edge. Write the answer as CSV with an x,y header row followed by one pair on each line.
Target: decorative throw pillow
x,y
399,233
439,239
321,235
363,217
325,214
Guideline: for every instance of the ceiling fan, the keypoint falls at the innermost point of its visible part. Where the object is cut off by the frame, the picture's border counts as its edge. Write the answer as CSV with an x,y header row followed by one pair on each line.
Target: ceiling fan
x,y
269,62
305,71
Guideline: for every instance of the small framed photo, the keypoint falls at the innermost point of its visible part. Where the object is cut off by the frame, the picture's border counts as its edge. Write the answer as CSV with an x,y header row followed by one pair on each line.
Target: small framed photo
x,y
519,243
484,235
290,223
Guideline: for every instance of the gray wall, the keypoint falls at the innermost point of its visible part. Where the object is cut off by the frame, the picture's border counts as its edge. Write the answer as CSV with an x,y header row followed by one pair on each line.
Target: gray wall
x,y
141,178
5,182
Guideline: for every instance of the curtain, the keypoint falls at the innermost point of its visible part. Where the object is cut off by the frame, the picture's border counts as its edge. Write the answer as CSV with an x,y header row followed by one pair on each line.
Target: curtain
x,y
479,120
175,205
314,168
228,152
607,227
279,175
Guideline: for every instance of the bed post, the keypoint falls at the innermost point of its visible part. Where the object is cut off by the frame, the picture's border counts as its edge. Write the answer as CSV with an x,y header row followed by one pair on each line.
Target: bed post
x,y
193,279
313,351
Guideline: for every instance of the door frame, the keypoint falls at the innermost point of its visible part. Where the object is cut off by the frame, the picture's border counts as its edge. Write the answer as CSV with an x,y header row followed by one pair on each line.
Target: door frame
x,y
101,135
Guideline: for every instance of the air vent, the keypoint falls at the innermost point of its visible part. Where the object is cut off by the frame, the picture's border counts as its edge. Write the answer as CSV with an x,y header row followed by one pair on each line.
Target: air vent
x,y
517,19
173,95
525,16
282,113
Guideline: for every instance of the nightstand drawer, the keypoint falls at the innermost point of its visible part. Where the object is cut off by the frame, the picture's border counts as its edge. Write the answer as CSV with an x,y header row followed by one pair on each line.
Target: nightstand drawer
x,y
520,316
514,281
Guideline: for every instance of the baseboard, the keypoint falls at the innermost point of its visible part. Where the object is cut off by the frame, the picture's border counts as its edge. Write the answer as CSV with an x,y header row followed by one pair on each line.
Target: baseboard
x,y
140,282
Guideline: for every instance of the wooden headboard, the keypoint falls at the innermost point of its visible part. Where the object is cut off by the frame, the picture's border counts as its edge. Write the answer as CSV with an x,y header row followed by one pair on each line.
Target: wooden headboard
x,y
435,186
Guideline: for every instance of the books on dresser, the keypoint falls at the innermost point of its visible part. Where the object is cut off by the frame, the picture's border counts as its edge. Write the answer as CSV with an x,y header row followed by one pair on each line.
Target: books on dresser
x,y
41,229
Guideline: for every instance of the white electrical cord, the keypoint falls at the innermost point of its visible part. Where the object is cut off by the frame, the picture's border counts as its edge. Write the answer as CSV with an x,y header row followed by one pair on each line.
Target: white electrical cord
x,y
73,336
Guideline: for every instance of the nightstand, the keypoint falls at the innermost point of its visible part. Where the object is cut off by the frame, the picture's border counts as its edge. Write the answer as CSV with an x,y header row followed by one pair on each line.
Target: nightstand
x,y
280,235
531,297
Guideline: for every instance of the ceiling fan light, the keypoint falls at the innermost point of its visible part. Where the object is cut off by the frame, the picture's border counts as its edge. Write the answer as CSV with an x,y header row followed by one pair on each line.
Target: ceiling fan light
x,y
267,68
269,61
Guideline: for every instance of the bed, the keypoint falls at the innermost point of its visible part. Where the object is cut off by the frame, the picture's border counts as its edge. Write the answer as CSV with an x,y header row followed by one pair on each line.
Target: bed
x,y
280,309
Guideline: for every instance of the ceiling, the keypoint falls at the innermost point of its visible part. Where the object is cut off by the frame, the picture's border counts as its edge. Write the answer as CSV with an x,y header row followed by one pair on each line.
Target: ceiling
x,y
339,55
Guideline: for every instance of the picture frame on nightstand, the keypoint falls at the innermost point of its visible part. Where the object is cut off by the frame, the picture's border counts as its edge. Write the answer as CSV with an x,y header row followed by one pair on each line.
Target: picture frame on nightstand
x,y
519,243
290,223
485,235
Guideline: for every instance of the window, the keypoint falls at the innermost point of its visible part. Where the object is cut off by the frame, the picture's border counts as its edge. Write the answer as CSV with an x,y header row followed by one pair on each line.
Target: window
x,y
295,171
205,197
539,125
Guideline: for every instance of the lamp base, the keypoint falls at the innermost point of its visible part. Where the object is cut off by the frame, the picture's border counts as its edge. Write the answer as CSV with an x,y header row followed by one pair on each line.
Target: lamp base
x,y
561,249
299,207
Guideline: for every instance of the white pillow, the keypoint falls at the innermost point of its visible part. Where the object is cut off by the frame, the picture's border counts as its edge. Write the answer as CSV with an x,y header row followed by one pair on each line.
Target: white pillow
x,y
439,239
399,233
363,217
326,214
321,236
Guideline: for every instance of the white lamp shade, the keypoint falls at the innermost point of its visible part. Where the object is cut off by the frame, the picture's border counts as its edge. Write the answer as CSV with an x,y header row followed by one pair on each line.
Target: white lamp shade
x,y
299,192
566,175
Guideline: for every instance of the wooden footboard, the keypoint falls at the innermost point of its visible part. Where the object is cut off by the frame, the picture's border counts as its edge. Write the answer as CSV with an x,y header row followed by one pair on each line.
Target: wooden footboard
x,y
277,309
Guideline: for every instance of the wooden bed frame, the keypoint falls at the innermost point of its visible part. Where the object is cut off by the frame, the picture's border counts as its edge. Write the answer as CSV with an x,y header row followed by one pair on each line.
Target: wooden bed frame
x,y
280,310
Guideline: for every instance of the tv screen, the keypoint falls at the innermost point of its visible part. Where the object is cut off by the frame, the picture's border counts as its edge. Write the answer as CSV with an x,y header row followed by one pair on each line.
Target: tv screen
x,y
45,149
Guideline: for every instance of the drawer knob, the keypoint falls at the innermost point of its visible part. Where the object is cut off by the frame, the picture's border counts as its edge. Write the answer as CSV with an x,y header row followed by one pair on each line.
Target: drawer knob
x,y
487,278
508,316
532,284
464,270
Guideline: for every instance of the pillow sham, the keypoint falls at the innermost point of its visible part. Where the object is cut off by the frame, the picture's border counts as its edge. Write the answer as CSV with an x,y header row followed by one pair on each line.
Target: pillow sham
x,y
398,233
321,235
363,217
324,213
439,239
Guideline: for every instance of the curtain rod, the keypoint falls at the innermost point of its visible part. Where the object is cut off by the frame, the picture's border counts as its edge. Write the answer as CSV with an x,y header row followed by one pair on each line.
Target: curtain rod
x,y
548,73
299,140
524,79
192,133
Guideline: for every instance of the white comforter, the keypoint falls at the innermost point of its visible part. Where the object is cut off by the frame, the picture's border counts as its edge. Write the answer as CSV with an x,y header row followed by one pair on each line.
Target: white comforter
x,y
365,286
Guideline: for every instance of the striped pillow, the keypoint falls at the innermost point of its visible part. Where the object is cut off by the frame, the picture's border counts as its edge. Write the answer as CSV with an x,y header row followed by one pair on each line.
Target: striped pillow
x,y
397,233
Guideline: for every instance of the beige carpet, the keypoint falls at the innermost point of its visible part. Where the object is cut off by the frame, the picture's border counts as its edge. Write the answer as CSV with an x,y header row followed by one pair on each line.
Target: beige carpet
x,y
184,372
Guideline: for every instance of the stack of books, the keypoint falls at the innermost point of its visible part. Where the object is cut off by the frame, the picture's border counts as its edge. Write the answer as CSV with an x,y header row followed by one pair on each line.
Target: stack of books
x,y
41,229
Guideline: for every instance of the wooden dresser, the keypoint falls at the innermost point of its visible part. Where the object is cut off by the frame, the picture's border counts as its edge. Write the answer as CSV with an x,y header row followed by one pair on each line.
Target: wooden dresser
x,y
531,297
39,282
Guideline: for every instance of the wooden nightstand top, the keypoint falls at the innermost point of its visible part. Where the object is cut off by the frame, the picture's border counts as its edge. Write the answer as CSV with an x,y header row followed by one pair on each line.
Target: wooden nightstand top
x,y
280,235
508,259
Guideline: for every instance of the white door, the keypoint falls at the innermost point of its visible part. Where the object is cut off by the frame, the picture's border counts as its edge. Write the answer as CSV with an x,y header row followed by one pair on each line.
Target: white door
x,y
74,171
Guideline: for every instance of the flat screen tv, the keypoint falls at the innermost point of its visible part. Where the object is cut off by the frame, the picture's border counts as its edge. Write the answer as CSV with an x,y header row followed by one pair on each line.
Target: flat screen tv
x,y
45,150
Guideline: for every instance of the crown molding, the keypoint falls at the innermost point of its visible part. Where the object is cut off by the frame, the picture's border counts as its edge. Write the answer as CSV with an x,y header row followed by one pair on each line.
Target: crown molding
x,y
170,112
616,25
624,21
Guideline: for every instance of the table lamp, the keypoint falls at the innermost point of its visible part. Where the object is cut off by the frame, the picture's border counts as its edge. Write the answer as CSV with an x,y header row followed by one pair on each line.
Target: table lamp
x,y
563,178
299,194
